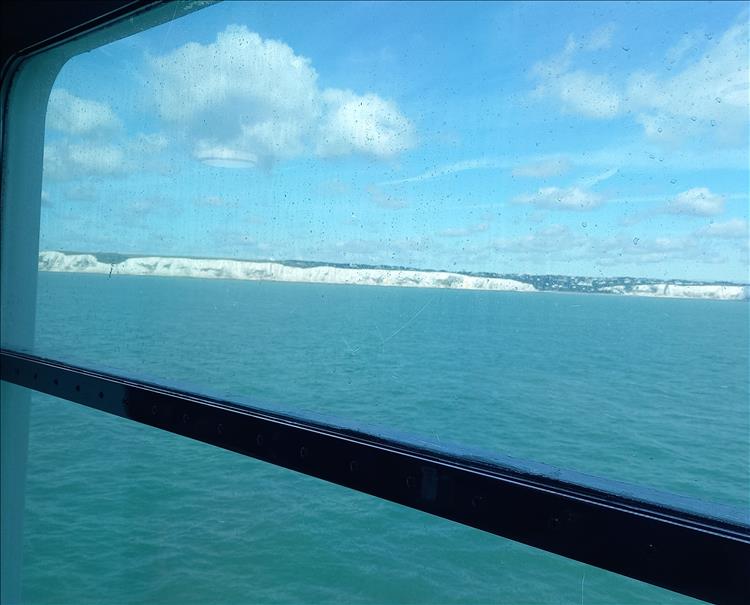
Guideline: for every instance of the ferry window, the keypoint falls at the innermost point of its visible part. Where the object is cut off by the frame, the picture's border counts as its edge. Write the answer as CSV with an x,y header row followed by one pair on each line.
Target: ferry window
x,y
514,230
244,143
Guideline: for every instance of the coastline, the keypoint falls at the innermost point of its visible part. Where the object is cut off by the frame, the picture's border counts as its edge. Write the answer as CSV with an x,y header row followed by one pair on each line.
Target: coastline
x,y
245,270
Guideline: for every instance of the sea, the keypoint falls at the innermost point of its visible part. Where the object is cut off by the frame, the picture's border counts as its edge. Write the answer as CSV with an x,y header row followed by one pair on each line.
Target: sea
x,y
646,391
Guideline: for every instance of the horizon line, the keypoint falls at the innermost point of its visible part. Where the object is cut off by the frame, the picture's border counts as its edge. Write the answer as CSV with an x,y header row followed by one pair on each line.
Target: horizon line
x,y
398,267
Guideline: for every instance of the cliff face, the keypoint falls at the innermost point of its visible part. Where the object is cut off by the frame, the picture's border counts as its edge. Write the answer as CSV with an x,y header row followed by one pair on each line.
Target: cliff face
x,y
683,291
404,278
270,271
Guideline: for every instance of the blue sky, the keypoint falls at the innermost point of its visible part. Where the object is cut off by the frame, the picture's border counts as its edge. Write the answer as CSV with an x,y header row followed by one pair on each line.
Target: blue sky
x,y
589,139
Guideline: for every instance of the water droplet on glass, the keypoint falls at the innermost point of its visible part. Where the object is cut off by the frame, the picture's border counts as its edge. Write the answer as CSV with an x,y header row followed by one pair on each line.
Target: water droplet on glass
x,y
583,225
718,99
659,129
673,181
693,118
635,241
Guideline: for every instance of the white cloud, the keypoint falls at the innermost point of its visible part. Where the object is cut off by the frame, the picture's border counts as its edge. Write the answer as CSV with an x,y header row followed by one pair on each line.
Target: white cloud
x,y
576,197
414,251
651,158
579,91
561,198
699,201
149,143
600,38
555,238
709,96
592,181
74,115
245,100
465,231
688,42
545,71
648,250
560,244
591,95
647,158
256,75
731,229
448,169
67,161
82,192
544,168
362,124
712,92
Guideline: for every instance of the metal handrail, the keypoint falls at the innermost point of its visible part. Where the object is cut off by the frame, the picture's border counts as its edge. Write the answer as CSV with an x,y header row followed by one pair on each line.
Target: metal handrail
x,y
699,555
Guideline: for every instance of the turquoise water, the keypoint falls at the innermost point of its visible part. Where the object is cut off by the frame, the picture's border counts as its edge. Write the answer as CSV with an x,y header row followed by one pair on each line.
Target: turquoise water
x,y
649,391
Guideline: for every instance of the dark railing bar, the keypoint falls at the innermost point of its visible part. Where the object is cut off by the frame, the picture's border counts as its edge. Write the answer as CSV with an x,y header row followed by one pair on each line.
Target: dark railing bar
x,y
495,470
700,556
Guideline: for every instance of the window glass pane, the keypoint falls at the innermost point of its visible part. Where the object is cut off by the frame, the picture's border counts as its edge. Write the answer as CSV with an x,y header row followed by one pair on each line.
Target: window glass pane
x,y
123,513
495,151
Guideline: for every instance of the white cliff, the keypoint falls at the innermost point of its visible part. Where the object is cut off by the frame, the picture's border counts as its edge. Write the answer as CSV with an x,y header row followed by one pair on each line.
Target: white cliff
x,y
324,274
271,271
710,291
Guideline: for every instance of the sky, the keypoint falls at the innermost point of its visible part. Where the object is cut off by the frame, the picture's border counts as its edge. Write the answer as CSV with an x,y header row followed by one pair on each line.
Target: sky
x,y
596,139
